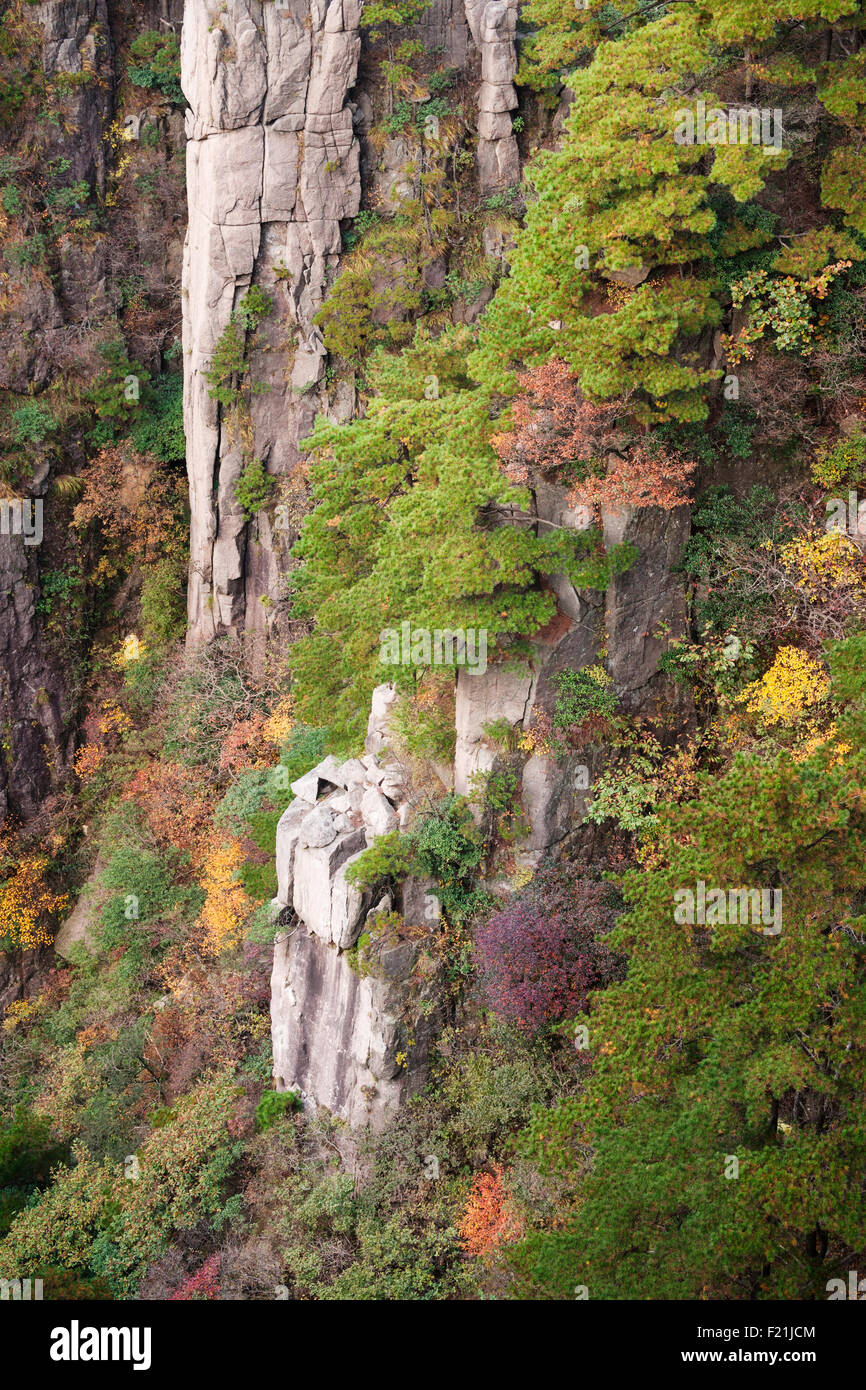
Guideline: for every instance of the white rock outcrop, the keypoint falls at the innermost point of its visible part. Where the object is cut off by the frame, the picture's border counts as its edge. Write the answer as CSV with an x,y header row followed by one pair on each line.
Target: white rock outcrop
x,y
337,1029
493,24
272,168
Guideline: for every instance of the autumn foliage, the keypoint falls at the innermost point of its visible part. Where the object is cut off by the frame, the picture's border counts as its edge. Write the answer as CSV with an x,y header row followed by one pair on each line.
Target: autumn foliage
x,y
138,508
171,797
539,955
488,1220
639,479
556,429
226,905
27,904
202,1286
552,423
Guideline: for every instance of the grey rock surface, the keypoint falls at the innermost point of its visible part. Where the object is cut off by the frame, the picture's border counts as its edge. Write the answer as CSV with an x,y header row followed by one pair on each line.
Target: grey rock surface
x,y
272,168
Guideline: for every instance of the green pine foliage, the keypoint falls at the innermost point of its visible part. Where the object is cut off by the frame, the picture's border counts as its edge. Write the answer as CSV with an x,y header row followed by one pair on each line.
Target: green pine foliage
x,y
408,526
228,374
253,488
156,64
160,429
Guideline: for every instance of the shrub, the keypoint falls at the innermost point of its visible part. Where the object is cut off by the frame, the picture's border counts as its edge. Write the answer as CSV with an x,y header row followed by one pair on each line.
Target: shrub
x,y
539,956
163,602
488,1220
255,305
841,462
32,424
242,800
201,1287
719,519
553,428
273,1106
141,887
118,393
157,64
253,488
389,856
31,251
423,723
93,1220
227,364
27,1155
27,905
449,847
362,223
581,694
12,200
497,792
655,477
160,430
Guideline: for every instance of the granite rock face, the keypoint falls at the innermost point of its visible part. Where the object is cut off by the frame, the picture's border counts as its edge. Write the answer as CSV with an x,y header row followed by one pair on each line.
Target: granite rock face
x,y
337,1035
272,168
279,142
42,323
33,690
640,601
493,24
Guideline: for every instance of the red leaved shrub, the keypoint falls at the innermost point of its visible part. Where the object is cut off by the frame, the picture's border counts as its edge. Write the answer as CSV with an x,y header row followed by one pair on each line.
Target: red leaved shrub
x,y
660,479
541,954
203,1286
487,1220
553,424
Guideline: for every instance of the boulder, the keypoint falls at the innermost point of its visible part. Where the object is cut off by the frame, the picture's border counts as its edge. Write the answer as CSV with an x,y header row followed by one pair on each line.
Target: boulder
x,y
311,784
318,828
379,815
315,869
352,772
392,783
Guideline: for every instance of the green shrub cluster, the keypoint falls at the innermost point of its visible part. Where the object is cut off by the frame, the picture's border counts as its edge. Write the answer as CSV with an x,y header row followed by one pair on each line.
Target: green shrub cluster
x,y
156,64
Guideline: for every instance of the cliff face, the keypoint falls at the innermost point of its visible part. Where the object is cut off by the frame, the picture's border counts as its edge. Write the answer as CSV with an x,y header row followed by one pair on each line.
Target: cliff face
x,y
358,1044
277,132
272,169
35,325
281,154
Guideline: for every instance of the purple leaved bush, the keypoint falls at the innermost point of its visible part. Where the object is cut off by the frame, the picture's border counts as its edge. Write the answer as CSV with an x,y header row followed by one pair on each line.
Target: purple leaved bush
x,y
539,956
